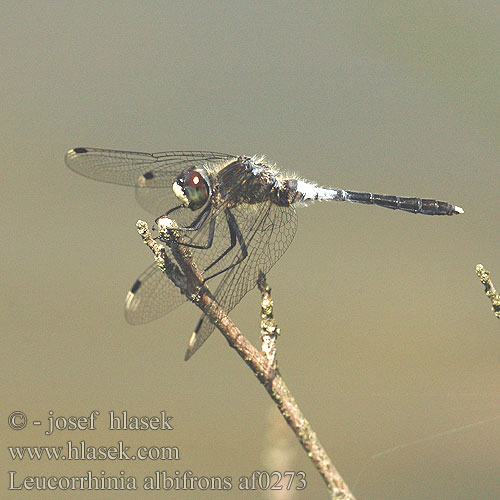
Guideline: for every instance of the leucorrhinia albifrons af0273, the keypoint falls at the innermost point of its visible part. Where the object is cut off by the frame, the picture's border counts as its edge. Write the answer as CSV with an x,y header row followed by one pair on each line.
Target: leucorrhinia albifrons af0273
x,y
236,214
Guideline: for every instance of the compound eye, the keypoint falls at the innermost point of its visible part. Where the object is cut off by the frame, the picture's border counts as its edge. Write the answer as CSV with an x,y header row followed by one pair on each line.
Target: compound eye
x,y
193,179
195,189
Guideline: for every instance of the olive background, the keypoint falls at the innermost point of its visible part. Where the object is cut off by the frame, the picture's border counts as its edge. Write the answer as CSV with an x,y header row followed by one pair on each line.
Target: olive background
x,y
388,343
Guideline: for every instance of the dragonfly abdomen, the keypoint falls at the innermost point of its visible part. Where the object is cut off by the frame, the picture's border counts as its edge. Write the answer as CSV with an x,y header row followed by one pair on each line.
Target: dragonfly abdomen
x,y
415,205
309,192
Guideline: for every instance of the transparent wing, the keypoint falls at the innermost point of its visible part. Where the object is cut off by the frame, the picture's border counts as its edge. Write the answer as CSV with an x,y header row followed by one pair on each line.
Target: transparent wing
x,y
147,172
268,233
127,167
151,296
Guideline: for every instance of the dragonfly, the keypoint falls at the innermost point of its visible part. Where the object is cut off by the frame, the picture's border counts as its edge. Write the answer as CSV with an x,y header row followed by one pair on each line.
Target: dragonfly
x,y
236,214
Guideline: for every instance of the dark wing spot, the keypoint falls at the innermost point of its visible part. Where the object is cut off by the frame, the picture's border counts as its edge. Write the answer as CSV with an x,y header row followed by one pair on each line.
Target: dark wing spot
x,y
135,286
148,175
80,150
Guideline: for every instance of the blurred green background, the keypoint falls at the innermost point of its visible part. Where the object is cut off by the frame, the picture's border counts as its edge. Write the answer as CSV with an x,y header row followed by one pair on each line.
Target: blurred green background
x,y
387,336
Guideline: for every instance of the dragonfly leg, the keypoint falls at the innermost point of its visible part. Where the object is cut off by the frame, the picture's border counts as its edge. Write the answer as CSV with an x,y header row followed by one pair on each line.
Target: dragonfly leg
x,y
236,236
194,226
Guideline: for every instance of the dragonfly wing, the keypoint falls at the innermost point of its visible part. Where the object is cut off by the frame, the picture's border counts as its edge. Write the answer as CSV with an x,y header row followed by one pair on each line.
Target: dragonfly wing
x,y
151,296
147,172
268,233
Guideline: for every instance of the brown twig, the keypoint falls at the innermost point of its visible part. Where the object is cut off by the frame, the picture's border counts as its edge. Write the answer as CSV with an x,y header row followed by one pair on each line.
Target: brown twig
x,y
489,289
269,330
268,375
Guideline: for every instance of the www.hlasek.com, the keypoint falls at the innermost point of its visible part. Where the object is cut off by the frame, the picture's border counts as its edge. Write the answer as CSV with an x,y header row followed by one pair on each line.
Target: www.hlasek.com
x,y
161,480
83,451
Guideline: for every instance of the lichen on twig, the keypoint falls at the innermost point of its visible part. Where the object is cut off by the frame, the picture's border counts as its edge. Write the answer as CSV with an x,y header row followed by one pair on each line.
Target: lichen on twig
x,y
489,289
269,330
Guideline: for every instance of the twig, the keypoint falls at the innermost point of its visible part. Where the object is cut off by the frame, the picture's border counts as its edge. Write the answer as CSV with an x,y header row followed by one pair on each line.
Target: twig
x,y
489,289
269,330
196,291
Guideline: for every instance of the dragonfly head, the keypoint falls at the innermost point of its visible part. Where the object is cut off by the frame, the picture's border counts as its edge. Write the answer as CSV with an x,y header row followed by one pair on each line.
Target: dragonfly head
x,y
192,188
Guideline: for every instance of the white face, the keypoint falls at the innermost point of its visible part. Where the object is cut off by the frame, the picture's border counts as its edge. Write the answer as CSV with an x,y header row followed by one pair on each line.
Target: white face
x,y
179,192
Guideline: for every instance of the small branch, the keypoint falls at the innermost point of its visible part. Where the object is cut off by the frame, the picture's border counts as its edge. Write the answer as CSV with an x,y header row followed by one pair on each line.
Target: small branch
x,y
189,280
269,330
489,289
164,263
